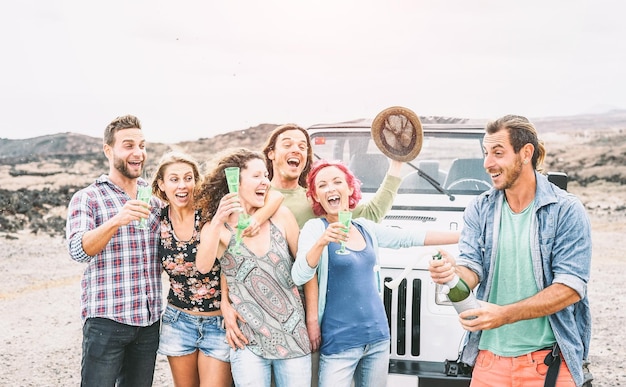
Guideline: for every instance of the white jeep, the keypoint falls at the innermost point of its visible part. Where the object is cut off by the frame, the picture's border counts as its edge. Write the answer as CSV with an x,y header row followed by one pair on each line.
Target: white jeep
x,y
448,173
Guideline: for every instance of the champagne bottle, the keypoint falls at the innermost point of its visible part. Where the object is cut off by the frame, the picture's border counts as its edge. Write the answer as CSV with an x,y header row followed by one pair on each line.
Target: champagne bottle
x,y
459,293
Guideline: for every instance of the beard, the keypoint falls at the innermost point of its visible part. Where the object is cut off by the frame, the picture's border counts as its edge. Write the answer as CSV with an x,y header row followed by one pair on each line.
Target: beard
x,y
512,174
122,167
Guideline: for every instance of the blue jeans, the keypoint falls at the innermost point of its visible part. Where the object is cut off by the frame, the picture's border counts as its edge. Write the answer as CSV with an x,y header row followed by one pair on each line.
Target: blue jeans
x,y
250,370
118,352
183,334
368,365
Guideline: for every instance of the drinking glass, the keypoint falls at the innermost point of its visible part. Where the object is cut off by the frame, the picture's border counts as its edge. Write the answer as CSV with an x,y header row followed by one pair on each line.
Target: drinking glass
x,y
344,217
232,178
144,193
242,222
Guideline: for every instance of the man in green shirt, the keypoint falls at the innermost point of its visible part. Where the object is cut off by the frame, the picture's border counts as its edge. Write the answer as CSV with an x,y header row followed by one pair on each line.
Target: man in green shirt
x,y
289,157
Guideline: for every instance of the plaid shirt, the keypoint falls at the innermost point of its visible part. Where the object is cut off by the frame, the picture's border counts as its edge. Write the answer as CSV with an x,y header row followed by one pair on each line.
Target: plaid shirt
x,y
123,281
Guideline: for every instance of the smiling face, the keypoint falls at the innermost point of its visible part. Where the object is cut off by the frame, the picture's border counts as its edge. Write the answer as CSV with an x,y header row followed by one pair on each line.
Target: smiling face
x,y
289,157
253,184
332,191
128,154
501,162
178,184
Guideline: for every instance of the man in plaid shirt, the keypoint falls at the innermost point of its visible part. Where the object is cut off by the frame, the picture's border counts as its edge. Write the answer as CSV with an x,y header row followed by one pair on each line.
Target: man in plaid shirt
x,y
121,286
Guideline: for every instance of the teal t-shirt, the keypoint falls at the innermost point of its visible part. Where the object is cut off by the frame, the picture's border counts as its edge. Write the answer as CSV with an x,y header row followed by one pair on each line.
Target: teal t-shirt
x,y
513,280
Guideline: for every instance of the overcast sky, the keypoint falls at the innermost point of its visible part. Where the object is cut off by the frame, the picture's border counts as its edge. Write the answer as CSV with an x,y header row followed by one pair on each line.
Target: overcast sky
x,y
191,69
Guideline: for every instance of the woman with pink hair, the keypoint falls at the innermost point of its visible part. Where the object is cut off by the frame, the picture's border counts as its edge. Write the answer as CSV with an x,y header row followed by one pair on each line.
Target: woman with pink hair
x,y
351,315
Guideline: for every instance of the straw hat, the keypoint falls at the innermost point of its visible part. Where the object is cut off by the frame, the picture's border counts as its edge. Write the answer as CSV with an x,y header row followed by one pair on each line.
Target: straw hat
x,y
397,132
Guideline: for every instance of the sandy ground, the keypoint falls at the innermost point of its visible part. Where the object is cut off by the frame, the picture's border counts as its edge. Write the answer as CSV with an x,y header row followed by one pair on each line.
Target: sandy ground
x,y
40,328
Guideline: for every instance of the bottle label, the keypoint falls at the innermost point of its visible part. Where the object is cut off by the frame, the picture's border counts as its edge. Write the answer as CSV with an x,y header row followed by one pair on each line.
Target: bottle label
x,y
466,304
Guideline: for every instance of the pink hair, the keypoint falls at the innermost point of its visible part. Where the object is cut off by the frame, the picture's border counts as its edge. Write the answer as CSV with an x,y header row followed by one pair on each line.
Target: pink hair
x,y
351,180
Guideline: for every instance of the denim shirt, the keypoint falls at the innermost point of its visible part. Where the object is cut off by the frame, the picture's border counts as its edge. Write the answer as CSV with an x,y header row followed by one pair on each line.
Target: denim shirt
x,y
561,253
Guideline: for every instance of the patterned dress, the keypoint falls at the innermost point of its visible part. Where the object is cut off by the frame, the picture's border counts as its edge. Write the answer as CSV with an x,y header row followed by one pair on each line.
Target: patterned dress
x,y
262,291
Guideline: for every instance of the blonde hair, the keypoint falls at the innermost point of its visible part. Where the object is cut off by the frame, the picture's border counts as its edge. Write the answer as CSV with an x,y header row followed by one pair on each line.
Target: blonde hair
x,y
168,159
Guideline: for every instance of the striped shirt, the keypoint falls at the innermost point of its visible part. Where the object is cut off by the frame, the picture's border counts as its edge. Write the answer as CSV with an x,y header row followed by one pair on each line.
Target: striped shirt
x,y
123,281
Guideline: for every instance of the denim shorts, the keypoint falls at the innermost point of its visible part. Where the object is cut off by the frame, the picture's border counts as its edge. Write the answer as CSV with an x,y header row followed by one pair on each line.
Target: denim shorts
x,y
183,333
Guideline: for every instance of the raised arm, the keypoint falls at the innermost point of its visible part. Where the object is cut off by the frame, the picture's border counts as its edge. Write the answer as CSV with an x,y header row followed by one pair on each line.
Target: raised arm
x,y
213,238
376,208
94,240
314,237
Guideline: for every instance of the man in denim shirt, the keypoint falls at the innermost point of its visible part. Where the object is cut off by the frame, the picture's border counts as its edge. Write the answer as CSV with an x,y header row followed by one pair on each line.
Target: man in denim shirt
x,y
528,243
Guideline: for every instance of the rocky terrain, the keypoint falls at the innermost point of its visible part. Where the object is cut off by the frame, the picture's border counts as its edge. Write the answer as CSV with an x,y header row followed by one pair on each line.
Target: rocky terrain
x,y
39,175
40,330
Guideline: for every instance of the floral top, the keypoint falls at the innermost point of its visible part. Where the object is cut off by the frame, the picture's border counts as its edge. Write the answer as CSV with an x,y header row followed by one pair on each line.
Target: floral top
x,y
189,289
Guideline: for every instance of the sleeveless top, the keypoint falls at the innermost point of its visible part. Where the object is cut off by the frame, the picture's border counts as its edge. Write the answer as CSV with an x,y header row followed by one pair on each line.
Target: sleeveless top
x,y
262,291
354,315
189,289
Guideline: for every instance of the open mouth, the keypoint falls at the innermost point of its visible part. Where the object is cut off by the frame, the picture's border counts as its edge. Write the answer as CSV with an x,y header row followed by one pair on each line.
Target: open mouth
x,y
334,201
260,193
182,195
293,162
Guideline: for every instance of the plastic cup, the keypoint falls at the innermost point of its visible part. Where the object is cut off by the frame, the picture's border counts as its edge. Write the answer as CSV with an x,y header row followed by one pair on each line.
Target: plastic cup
x,y
242,222
232,178
344,217
144,193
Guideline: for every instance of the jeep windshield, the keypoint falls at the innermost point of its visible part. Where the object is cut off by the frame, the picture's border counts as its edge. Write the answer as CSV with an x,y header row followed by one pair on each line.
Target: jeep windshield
x,y
450,161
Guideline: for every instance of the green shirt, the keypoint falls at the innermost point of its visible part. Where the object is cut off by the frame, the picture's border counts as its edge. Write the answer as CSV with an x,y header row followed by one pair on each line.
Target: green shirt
x,y
513,280
375,209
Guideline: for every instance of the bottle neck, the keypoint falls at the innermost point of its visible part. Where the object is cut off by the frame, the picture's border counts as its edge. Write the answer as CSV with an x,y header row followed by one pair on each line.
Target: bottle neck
x,y
452,283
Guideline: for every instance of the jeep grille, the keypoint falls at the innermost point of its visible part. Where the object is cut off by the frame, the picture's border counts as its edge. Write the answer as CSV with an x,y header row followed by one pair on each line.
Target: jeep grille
x,y
411,218
404,331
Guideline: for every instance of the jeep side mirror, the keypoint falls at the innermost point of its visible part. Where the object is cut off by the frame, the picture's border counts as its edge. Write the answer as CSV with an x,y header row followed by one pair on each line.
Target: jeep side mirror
x,y
559,179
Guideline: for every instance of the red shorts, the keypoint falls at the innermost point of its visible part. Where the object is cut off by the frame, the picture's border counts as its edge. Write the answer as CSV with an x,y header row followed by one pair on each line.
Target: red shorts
x,y
527,370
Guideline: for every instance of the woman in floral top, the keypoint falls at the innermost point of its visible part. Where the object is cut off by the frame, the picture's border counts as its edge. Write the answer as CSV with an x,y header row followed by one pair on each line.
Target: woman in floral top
x,y
192,331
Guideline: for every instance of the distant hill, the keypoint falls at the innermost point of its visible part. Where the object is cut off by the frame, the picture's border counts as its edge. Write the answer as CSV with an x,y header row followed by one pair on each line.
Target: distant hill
x,y
14,152
39,175
611,120
71,147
